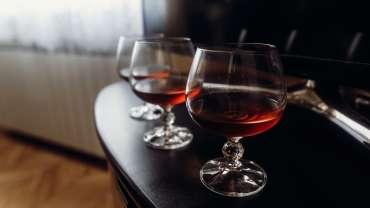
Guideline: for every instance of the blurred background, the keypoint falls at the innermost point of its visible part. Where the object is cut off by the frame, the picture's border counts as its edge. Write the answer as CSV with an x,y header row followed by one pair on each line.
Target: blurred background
x,y
56,55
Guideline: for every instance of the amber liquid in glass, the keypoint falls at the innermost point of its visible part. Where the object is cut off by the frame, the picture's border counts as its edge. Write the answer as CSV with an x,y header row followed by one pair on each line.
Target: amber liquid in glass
x,y
162,91
235,114
151,74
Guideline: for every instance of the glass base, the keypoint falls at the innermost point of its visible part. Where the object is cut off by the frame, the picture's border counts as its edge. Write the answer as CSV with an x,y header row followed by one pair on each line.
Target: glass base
x,y
177,137
246,179
146,112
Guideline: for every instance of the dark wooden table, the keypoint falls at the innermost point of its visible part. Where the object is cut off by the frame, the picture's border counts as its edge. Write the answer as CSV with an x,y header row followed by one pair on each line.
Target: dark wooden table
x,y
310,162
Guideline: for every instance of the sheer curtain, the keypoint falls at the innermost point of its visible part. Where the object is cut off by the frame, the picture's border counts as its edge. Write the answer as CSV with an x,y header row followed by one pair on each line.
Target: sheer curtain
x,y
71,25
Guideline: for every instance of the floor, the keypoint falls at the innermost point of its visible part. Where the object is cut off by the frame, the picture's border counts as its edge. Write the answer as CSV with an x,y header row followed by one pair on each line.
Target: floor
x,y
35,177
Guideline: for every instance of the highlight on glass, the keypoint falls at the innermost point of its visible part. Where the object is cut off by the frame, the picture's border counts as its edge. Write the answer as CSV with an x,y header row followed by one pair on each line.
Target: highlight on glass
x,y
238,91
168,62
125,46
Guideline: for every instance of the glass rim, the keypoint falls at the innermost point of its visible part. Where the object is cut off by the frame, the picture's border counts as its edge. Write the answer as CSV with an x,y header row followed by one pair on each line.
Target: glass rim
x,y
143,36
234,46
164,39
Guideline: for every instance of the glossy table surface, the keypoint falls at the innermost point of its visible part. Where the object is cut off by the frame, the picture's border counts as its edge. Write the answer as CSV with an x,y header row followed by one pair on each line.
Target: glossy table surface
x,y
309,161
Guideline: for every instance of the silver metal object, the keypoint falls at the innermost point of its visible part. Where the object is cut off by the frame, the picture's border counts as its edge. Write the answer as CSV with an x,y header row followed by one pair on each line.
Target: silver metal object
x,y
307,97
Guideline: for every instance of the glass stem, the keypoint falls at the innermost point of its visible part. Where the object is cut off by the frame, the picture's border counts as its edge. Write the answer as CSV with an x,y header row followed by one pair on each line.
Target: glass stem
x,y
169,119
233,150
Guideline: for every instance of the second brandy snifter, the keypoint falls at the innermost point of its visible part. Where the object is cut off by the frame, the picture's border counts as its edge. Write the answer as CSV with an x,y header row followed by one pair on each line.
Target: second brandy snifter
x,y
169,59
237,90
125,46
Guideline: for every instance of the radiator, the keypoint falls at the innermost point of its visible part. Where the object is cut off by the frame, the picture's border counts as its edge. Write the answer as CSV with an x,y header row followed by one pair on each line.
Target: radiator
x,y
51,95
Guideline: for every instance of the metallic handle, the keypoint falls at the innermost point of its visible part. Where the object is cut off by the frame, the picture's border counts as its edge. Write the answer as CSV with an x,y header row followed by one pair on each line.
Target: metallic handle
x,y
360,131
307,97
